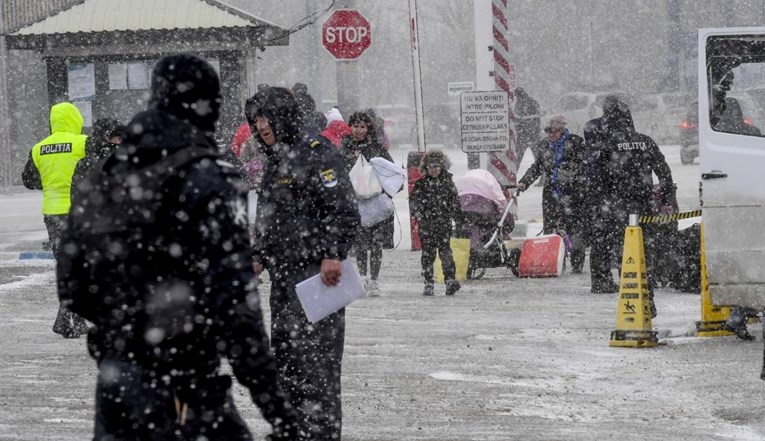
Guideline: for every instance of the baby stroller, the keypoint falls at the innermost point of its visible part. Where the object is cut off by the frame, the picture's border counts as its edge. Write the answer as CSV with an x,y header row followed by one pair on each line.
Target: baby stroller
x,y
486,220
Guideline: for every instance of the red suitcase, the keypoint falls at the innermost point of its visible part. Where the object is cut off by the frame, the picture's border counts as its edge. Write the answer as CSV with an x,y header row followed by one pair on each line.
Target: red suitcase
x,y
542,256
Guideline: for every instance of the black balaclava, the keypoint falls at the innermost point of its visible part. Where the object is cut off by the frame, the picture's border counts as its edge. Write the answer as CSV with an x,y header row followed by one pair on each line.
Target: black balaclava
x,y
187,87
279,106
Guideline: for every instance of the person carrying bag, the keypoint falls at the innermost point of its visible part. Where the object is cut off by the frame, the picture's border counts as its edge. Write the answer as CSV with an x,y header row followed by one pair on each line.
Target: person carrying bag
x,y
375,206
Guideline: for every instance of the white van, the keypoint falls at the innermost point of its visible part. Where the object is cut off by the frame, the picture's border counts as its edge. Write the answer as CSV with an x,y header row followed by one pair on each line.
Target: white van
x,y
732,165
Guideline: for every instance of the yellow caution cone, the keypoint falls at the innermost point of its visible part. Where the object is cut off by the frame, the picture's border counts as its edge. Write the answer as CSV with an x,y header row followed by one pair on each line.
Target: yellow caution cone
x,y
633,316
712,317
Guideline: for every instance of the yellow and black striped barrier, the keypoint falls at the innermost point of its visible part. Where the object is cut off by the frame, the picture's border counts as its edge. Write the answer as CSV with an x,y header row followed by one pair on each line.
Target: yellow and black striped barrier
x,y
663,218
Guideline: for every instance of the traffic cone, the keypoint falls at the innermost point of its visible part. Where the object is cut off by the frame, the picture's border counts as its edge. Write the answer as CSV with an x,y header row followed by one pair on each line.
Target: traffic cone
x,y
712,317
633,315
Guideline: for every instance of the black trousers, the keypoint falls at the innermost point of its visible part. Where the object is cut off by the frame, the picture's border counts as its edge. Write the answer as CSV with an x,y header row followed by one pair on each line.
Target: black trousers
x,y
54,223
131,406
433,243
566,214
608,240
309,357
66,322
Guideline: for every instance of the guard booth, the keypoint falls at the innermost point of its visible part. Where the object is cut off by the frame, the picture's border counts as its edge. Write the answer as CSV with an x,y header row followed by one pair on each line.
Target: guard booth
x,y
99,54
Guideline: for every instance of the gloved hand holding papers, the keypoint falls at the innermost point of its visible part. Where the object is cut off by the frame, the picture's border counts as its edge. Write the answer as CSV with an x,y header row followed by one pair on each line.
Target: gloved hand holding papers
x,y
320,300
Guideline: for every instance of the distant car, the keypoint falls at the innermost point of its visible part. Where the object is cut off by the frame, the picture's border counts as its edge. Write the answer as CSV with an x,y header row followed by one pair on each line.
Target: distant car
x,y
656,115
580,107
576,107
689,135
754,115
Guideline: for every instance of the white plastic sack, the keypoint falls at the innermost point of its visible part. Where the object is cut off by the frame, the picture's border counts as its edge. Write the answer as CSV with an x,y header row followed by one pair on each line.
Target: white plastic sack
x,y
392,176
375,210
364,180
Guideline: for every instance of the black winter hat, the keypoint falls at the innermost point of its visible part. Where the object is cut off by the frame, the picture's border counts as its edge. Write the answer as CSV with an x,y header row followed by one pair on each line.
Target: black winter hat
x,y
187,87
280,108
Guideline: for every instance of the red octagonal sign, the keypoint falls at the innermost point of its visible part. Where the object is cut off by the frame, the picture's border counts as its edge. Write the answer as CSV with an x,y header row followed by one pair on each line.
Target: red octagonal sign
x,y
346,34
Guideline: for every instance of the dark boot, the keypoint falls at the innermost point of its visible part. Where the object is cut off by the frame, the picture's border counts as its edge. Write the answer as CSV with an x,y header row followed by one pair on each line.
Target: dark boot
x,y
604,286
80,325
577,261
452,286
736,324
63,324
428,291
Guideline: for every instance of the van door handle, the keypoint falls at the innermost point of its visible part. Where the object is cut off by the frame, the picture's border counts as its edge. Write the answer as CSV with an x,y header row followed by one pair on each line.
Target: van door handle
x,y
714,174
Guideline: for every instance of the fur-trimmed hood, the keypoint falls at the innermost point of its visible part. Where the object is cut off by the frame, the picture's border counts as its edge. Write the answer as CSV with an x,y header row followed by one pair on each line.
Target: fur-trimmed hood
x,y
435,157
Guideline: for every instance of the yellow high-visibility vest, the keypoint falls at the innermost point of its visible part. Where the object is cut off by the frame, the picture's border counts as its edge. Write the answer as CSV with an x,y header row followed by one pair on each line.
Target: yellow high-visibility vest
x,y
56,156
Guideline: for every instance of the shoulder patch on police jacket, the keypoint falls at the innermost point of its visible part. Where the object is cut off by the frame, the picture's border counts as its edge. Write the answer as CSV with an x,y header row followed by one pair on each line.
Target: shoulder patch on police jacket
x,y
329,177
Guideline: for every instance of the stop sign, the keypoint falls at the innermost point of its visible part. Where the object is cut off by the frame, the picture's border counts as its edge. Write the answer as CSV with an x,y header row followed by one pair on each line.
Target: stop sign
x,y
346,34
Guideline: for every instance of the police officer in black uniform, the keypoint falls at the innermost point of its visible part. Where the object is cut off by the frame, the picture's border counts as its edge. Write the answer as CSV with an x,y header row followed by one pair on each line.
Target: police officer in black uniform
x,y
622,185
306,223
157,255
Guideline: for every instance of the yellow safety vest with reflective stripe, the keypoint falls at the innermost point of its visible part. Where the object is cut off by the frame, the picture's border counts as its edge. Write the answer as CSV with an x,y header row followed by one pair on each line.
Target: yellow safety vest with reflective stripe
x,y
56,156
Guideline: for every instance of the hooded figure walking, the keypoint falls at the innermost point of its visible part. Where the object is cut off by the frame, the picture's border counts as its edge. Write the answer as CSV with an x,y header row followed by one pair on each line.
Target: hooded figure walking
x,y
622,184
435,204
157,255
107,136
305,225
50,168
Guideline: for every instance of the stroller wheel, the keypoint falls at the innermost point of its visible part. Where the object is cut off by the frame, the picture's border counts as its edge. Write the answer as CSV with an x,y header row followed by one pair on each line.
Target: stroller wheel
x,y
513,256
476,273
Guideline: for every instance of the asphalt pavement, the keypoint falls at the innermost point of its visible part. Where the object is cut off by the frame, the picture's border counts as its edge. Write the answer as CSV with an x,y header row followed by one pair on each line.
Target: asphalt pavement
x,y
504,359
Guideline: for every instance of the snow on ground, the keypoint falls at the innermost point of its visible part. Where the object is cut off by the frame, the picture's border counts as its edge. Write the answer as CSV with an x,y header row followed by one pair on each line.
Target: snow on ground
x,y
504,359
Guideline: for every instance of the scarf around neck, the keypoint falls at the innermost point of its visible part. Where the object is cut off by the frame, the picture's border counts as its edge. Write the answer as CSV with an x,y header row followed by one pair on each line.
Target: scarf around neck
x,y
557,148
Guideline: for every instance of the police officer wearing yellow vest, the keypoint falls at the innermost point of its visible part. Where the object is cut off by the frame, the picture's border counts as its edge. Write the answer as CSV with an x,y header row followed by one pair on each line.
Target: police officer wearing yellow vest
x,y
50,168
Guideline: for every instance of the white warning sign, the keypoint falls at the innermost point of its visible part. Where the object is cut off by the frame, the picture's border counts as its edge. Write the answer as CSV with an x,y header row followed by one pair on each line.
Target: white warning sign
x,y
484,121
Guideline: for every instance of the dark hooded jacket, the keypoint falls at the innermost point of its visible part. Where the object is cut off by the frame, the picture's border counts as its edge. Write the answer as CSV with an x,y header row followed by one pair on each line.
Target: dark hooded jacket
x,y
312,118
382,233
527,116
157,253
567,203
434,201
624,162
307,210
97,148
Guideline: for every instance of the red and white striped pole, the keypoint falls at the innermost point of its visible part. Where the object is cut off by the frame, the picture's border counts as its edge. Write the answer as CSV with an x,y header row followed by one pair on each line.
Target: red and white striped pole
x,y
503,164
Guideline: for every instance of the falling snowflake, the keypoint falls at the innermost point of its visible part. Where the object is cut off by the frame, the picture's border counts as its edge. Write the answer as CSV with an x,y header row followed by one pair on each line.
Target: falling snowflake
x,y
238,208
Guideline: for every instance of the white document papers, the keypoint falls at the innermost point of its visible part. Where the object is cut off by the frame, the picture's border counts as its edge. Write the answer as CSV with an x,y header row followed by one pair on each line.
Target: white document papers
x,y
319,300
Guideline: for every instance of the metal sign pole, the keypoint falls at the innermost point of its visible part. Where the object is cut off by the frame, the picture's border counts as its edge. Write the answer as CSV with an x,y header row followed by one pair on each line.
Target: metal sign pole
x,y
416,72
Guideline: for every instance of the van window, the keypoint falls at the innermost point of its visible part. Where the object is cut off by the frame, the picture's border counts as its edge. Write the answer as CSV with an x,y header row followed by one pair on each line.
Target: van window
x,y
736,70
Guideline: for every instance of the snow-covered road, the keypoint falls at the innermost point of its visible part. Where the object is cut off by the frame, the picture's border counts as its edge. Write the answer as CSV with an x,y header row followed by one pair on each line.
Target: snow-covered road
x,y
504,359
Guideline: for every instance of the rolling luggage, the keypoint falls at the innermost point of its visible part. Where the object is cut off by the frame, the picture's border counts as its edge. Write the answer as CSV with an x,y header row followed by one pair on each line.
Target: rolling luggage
x,y
542,256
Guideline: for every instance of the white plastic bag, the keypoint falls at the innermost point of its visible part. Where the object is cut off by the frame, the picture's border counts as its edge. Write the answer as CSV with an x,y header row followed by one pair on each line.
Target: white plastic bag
x,y
364,180
375,210
392,176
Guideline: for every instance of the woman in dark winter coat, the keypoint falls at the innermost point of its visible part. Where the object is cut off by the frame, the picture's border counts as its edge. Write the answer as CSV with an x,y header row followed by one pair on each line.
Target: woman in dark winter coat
x,y
107,136
561,163
370,241
434,203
